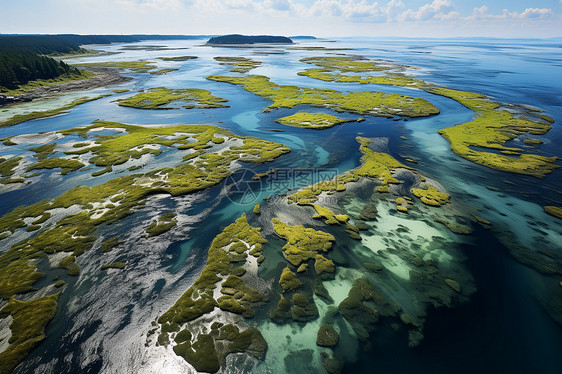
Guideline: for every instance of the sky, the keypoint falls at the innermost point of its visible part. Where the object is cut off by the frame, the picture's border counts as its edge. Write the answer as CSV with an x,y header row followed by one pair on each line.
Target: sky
x,y
323,18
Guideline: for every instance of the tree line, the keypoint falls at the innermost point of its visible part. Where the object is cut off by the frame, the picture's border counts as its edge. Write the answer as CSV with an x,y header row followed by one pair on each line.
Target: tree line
x,y
23,57
17,68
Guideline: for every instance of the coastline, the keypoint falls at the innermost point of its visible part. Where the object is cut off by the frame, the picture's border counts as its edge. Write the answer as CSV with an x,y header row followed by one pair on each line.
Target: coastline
x,y
103,76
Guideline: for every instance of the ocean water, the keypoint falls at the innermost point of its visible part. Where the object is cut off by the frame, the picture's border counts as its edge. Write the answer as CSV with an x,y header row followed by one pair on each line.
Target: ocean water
x,y
508,322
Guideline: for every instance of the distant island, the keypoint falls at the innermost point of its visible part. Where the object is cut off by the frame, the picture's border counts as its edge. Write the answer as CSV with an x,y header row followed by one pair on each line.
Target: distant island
x,y
237,39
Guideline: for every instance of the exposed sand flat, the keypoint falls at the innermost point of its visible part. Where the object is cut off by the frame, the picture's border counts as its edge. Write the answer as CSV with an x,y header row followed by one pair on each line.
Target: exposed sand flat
x,y
103,76
37,138
5,332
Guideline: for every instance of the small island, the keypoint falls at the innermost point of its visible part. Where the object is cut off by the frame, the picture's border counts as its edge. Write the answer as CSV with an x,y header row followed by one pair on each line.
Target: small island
x,y
237,39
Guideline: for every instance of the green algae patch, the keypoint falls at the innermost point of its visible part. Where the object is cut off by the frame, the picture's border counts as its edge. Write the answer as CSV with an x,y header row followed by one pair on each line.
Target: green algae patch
x,y
360,316
5,235
533,141
19,118
121,90
281,313
289,281
401,205
330,363
178,58
44,151
316,121
329,215
64,164
327,336
117,198
481,220
546,118
7,166
554,211
375,165
17,276
207,353
232,245
162,71
161,224
201,354
371,102
69,263
12,180
198,299
309,195
327,66
455,227
315,48
346,64
119,195
136,66
257,209
136,141
378,165
259,176
238,297
33,228
241,64
431,196
303,243
302,268
7,142
454,285
324,267
304,309
109,244
28,328
114,265
491,128
160,97
369,212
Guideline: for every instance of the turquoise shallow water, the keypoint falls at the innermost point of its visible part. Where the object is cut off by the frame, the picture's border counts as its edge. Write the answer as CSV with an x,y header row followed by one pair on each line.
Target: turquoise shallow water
x,y
503,327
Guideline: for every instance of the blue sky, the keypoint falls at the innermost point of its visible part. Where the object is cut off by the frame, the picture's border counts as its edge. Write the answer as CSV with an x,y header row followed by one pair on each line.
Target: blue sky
x,y
410,18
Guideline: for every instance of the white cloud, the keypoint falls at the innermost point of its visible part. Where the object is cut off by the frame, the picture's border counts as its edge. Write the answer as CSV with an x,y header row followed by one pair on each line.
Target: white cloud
x,y
365,11
478,13
281,5
346,9
356,10
239,4
204,8
438,9
332,16
141,5
482,13
535,13
394,8
311,17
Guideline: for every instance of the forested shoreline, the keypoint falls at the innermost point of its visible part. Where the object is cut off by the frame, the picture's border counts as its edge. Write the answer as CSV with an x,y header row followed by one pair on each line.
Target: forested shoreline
x,y
17,68
26,58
